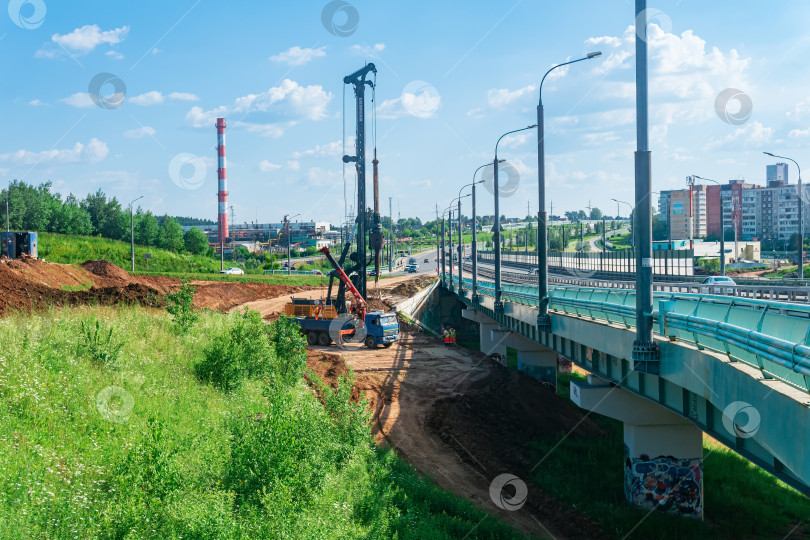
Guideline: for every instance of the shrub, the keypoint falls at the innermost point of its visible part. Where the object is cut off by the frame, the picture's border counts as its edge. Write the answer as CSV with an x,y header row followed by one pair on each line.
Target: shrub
x,y
290,348
97,343
181,308
240,351
279,459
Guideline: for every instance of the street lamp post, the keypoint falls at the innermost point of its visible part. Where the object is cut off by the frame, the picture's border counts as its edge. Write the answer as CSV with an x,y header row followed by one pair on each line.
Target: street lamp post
x,y
801,223
543,319
722,228
131,233
460,235
632,220
496,228
289,264
474,296
645,353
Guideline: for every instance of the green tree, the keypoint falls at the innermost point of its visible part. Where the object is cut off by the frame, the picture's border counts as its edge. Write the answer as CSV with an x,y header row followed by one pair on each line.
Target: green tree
x,y
70,218
106,216
196,241
596,214
146,229
171,235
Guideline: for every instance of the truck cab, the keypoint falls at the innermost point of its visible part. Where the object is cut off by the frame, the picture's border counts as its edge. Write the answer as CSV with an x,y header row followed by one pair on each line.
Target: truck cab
x,y
381,329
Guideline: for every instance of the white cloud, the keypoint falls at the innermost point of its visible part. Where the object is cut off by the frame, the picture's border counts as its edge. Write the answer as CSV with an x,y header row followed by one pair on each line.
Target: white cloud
x,y
500,97
752,135
92,152
477,112
288,101
156,98
183,96
149,98
36,103
800,109
293,165
799,133
115,55
332,149
79,99
266,166
366,50
139,133
424,103
296,56
83,40
518,139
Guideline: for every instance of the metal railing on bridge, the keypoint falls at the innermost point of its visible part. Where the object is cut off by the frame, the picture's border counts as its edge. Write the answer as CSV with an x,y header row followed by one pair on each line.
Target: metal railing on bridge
x,y
666,262
773,337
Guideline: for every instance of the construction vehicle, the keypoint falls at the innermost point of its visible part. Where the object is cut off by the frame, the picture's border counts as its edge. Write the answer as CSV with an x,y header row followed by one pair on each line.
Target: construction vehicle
x,y
313,309
18,244
379,328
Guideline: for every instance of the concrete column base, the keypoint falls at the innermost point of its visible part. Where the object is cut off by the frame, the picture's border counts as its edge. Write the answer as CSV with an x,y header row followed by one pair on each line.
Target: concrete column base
x,y
538,363
492,339
663,452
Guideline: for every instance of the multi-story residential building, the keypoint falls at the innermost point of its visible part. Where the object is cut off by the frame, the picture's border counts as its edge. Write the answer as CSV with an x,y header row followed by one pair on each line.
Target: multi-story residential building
x,y
776,175
687,213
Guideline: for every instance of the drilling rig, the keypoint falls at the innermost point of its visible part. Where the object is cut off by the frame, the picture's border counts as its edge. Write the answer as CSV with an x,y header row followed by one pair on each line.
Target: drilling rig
x,y
368,233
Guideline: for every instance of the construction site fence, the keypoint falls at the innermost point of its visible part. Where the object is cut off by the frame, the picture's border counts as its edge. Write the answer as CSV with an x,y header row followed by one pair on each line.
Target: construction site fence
x,y
665,262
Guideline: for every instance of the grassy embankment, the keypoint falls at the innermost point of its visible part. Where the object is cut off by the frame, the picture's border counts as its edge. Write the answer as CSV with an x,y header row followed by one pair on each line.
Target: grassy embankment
x,y
64,249
136,436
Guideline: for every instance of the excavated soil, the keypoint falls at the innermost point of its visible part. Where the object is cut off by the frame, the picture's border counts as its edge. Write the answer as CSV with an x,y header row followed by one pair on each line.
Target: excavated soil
x,y
29,284
463,419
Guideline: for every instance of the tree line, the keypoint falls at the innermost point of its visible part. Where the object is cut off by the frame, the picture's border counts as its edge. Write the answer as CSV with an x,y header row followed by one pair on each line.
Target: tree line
x,y
37,208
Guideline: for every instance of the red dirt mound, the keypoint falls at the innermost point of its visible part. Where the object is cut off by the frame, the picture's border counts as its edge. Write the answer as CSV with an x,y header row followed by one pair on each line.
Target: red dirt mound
x,y
108,270
28,284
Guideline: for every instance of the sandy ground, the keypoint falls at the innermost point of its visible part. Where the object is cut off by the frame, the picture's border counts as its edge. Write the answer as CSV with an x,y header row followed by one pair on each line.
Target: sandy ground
x,y
449,413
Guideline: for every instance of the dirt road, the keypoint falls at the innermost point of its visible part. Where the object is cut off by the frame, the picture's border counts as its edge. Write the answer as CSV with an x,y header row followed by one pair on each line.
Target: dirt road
x,y
462,420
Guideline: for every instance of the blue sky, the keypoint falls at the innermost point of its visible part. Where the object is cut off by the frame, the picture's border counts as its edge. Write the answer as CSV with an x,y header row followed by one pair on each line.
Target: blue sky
x,y
452,78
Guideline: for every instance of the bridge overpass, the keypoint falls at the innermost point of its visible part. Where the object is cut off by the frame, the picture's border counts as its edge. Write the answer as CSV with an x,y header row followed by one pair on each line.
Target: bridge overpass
x,y
737,369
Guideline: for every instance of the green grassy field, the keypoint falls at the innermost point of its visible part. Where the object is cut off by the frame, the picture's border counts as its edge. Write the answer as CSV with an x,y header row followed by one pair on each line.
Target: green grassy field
x,y
64,249
281,279
120,436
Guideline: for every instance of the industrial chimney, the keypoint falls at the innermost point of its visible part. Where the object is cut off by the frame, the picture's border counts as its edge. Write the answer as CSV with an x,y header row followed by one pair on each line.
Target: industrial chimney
x,y
222,195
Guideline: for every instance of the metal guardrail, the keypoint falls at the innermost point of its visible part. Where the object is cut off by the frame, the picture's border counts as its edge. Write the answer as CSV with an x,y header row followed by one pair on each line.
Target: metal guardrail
x,y
571,267
763,291
773,337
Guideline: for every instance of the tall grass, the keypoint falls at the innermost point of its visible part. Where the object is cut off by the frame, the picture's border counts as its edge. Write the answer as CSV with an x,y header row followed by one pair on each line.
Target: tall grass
x,y
142,448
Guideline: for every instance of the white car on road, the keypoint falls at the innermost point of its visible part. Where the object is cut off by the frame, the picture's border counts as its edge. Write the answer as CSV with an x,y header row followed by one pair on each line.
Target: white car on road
x,y
234,271
715,282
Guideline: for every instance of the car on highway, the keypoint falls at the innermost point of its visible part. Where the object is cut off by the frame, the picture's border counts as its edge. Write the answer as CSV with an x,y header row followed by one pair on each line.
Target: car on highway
x,y
411,268
533,272
371,273
316,272
428,260
718,280
233,271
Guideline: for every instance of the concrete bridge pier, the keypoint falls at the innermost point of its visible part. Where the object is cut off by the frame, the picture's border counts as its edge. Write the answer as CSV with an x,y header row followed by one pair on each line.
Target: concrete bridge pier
x,y
663,452
534,360
491,334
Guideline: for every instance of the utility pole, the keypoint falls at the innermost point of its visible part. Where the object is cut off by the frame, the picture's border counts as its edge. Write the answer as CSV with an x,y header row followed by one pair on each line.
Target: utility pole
x,y
645,352
391,237
131,232
8,192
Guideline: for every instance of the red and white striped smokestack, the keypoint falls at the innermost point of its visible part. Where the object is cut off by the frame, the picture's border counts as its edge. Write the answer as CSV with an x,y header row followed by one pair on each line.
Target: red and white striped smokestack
x,y
222,195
